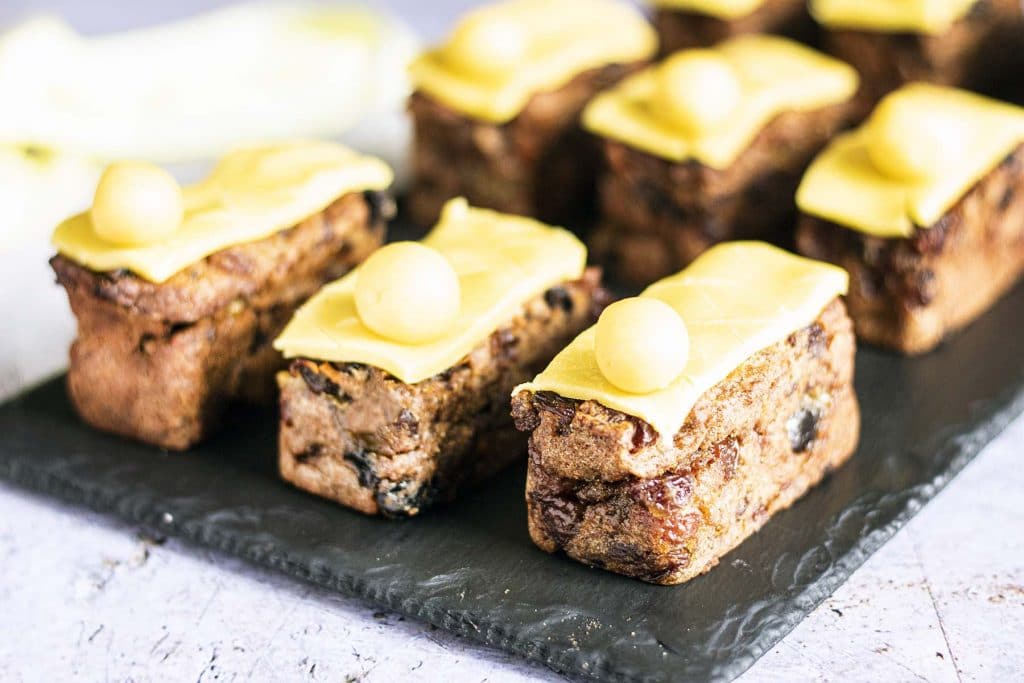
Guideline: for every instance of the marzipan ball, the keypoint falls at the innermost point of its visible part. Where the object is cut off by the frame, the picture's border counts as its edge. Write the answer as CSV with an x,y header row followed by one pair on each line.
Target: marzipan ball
x,y
136,204
697,90
908,144
484,44
407,292
641,344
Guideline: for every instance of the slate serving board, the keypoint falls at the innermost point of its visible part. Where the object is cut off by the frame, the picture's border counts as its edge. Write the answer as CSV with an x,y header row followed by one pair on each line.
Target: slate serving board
x,y
471,568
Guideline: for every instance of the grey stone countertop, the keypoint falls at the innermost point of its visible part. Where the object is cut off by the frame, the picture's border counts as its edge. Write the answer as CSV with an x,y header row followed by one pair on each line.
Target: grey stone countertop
x,y
86,598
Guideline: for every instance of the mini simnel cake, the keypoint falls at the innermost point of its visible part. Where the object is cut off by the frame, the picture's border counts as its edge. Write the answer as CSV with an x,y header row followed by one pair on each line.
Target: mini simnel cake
x,y
179,292
673,429
965,43
496,108
709,146
924,206
683,24
397,394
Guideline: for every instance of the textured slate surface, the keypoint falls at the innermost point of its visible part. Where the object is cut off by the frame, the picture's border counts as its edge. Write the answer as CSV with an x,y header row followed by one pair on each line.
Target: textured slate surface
x,y
471,568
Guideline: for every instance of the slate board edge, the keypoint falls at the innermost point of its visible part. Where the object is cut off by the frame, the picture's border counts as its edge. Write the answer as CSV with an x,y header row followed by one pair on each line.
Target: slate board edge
x,y
966,446
576,663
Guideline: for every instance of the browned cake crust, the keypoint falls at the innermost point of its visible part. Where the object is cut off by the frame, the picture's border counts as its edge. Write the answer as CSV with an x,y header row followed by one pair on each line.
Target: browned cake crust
x,y
357,435
602,488
657,216
158,362
540,164
907,294
678,29
980,51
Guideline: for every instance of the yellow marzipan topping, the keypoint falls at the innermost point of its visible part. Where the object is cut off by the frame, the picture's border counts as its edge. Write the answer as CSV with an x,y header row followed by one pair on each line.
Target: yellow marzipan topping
x,y
560,41
736,299
722,9
844,186
501,261
918,16
250,194
775,75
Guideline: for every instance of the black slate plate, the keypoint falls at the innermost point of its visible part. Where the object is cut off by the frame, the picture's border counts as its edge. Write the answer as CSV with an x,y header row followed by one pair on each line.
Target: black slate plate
x,y
470,568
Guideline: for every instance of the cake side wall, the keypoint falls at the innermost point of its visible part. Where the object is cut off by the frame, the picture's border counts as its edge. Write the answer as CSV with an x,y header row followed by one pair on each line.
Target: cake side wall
x,y
358,436
657,216
540,164
908,294
140,371
978,51
755,443
678,29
